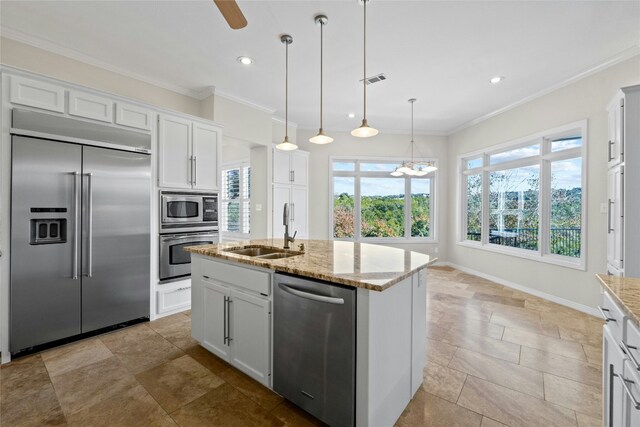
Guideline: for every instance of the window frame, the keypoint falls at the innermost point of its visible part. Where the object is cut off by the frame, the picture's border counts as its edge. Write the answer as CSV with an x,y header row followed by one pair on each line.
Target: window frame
x,y
357,217
241,200
544,160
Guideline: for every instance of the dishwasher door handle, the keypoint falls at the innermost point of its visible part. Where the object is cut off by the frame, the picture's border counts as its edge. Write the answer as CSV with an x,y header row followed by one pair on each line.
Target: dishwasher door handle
x,y
308,295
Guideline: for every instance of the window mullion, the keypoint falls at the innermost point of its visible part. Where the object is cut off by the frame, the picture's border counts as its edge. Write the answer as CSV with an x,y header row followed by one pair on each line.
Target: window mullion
x,y
356,204
407,207
484,229
544,213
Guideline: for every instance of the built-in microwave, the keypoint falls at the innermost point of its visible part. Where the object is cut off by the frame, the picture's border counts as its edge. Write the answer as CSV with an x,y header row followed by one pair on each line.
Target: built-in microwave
x,y
188,211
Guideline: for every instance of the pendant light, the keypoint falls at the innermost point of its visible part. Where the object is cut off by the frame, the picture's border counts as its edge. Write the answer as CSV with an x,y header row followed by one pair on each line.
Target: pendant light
x,y
365,131
412,168
285,145
321,138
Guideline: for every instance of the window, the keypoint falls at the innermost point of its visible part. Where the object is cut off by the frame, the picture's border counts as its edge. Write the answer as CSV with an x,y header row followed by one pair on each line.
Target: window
x,y
526,197
369,204
235,200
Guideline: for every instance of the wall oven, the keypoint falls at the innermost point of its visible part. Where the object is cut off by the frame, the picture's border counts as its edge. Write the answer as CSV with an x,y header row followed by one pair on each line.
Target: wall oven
x,y
174,261
188,212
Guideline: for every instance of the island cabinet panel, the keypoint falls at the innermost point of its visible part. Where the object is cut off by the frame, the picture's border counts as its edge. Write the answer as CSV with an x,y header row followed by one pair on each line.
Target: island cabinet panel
x,y
246,278
215,319
418,329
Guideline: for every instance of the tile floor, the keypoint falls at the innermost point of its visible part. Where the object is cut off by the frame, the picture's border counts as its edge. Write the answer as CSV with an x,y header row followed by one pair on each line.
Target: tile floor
x,y
495,356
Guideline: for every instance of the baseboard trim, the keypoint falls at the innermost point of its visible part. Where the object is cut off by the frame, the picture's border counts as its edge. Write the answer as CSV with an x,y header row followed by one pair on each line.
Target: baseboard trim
x,y
562,301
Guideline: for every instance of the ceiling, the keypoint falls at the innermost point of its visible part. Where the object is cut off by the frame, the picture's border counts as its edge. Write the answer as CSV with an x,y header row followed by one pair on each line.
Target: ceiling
x,y
442,53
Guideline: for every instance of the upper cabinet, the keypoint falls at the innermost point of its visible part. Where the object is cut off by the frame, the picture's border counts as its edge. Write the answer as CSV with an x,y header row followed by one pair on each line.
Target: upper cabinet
x,y
33,93
133,116
615,153
290,167
189,154
90,106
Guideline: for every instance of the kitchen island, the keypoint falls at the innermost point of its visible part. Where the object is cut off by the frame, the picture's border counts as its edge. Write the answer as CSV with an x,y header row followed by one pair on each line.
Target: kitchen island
x,y
244,310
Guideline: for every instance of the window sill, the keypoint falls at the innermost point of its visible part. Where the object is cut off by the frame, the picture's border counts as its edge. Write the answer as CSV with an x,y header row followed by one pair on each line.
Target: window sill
x,y
578,264
390,240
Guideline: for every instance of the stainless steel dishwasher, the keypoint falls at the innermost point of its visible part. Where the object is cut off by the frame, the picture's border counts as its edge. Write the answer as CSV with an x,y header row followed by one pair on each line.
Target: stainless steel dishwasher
x,y
314,347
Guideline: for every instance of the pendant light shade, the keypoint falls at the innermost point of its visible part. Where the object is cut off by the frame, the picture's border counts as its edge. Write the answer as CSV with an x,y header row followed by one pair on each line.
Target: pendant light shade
x,y
365,131
321,138
285,145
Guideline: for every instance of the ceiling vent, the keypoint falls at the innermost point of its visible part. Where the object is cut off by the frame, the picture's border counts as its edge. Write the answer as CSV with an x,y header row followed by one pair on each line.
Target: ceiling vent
x,y
374,79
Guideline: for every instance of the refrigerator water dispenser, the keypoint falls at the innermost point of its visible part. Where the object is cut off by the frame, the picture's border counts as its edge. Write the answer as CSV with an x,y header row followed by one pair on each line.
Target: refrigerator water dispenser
x,y
48,230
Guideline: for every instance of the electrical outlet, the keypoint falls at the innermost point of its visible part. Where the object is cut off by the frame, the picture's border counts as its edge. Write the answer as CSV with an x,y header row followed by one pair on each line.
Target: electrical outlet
x,y
258,207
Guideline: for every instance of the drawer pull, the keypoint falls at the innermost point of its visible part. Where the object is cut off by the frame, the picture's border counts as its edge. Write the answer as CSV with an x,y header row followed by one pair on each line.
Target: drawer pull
x,y
627,390
627,349
605,316
181,289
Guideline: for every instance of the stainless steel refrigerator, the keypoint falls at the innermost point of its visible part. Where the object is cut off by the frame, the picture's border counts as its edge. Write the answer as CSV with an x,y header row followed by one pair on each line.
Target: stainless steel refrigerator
x,y
80,232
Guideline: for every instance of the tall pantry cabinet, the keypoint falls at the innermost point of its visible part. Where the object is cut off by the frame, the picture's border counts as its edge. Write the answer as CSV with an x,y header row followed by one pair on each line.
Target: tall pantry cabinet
x,y
290,185
623,184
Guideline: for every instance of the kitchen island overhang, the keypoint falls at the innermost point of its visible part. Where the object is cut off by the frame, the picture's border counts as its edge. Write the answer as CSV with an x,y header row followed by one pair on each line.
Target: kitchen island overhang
x,y
390,320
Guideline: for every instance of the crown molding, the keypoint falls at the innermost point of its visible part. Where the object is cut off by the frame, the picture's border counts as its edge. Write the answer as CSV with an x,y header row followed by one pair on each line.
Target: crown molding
x,y
244,101
280,120
614,60
206,92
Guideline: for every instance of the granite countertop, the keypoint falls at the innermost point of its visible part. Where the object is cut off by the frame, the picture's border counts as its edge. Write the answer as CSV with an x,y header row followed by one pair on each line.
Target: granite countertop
x,y
625,291
361,265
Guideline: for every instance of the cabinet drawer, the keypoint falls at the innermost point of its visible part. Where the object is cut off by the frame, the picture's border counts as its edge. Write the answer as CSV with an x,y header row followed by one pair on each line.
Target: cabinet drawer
x,y
242,277
133,116
37,94
90,106
632,345
173,299
617,319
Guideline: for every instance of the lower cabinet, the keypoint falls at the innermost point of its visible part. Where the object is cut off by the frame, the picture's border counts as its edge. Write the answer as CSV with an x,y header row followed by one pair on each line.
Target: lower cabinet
x,y
613,396
233,324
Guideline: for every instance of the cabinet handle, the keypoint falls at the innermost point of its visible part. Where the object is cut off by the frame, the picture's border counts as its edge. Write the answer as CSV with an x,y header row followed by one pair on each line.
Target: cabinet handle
x,y
293,212
605,316
294,176
229,339
180,289
224,319
195,171
609,229
627,390
609,154
189,166
627,349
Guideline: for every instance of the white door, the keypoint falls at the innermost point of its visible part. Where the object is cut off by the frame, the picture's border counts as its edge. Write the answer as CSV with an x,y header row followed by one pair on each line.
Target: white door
x,y
281,167
613,396
616,132
205,157
215,319
299,212
249,334
418,329
174,136
299,168
281,195
615,183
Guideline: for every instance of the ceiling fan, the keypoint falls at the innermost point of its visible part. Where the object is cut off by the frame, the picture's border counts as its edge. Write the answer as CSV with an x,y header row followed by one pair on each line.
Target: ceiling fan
x,y
231,13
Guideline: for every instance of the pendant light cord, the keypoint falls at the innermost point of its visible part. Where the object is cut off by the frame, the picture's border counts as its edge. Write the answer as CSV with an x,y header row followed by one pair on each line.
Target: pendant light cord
x,y
364,78
321,76
412,143
286,92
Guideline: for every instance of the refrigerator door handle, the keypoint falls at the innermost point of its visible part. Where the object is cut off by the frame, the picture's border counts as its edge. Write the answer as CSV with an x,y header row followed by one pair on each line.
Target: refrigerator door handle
x,y
90,226
76,212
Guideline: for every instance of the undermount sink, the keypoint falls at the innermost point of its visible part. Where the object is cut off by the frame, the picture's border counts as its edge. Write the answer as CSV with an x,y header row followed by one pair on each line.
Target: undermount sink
x,y
264,253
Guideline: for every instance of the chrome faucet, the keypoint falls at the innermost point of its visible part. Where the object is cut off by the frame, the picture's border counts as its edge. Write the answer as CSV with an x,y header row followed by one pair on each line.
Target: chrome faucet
x,y
285,221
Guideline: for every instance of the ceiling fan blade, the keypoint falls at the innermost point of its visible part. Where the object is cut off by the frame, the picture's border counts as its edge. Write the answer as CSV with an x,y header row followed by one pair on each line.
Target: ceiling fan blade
x,y
231,13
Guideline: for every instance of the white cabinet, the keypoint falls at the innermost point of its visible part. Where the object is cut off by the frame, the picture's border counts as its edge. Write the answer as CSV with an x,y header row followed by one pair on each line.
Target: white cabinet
x,y
90,106
189,154
291,167
37,94
171,299
613,392
623,183
229,319
133,116
418,328
297,198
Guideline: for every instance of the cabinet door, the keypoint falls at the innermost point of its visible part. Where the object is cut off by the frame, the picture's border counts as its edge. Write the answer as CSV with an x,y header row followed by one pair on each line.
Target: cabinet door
x,y
205,156
613,392
631,409
37,94
299,212
281,167
616,133
281,195
299,168
133,116
615,224
175,165
90,106
249,335
418,328
215,318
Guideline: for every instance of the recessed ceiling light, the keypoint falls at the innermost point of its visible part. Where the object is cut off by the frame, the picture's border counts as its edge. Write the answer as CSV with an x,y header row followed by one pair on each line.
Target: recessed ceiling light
x,y
245,60
497,79
351,115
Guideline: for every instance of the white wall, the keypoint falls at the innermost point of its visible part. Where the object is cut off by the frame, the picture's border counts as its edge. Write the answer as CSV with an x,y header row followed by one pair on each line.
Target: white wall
x,y
382,145
584,99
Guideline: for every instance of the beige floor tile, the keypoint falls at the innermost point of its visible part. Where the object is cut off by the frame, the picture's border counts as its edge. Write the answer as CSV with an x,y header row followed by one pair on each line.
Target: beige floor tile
x,y
291,415
74,356
442,381
37,408
499,299
224,406
254,390
425,409
587,421
145,353
580,397
561,366
544,343
488,422
499,372
123,338
207,359
84,387
440,352
134,407
176,329
22,377
512,407
485,345
178,382
465,325
435,331
592,336
469,313
449,289
525,321
594,353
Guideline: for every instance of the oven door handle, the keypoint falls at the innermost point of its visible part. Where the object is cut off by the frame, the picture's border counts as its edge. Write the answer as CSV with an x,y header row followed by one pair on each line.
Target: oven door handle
x,y
194,237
